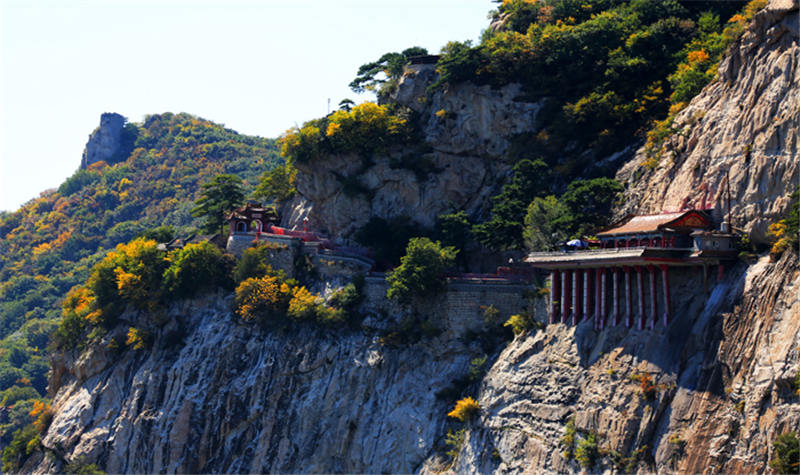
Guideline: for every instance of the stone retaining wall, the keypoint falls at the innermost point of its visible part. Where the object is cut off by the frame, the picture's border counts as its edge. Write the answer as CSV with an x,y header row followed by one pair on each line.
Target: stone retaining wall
x,y
458,309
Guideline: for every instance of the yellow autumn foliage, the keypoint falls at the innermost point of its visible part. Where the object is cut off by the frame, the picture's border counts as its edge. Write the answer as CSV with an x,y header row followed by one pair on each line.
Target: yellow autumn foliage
x,y
464,409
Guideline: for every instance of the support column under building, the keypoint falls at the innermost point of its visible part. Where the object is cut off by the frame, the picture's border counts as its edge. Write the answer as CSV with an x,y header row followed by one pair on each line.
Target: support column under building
x,y
586,294
628,298
554,293
667,303
576,304
603,294
653,298
597,298
640,282
615,294
564,295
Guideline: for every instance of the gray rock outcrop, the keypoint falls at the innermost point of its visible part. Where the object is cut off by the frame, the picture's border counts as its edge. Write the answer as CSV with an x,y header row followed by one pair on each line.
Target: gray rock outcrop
x,y
466,130
105,141
212,396
745,124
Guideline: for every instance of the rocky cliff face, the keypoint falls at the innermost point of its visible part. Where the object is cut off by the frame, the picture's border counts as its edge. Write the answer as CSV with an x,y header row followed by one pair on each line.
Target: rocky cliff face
x,y
721,373
105,141
744,124
463,146
213,396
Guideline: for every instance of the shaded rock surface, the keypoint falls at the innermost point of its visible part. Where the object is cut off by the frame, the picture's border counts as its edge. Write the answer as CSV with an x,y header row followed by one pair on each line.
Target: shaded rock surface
x,y
215,396
105,141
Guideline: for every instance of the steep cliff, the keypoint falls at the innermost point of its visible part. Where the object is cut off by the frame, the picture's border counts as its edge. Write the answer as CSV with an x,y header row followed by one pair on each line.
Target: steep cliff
x,y
744,124
215,396
458,166
721,378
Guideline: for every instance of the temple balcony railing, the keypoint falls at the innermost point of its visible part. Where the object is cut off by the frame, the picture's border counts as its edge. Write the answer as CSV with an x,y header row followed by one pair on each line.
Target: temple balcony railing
x,y
604,251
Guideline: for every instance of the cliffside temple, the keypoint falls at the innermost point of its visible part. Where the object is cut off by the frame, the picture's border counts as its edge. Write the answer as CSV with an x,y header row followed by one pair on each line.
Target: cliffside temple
x,y
587,283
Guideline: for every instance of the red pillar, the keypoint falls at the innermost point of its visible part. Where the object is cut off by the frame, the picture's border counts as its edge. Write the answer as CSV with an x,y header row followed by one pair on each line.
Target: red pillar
x,y
576,304
615,294
720,273
640,281
554,287
653,297
628,298
587,294
603,296
667,304
597,298
565,295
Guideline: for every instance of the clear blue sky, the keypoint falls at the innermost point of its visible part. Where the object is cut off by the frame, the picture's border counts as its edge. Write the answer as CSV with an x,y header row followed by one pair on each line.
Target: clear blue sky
x,y
258,67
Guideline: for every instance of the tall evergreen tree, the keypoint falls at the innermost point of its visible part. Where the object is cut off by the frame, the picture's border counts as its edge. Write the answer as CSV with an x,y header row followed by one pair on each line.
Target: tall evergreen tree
x,y
219,197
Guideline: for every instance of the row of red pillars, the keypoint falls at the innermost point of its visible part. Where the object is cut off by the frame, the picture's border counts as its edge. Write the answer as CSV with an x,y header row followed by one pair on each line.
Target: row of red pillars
x,y
571,288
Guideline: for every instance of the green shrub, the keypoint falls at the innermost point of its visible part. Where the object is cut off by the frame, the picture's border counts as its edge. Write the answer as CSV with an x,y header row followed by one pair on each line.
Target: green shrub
x,y
79,466
786,458
546,224
421,270
455,440
568,439
477,366
586,453
196,267
520,323
24,442
78,181
18,393
255,263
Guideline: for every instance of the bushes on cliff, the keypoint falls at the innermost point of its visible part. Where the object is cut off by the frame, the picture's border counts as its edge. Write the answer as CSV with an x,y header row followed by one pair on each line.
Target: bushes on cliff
x,y
465,409
197,267
262,299
786,458
421,271
785,232
365,129
255,263
23,444
270,301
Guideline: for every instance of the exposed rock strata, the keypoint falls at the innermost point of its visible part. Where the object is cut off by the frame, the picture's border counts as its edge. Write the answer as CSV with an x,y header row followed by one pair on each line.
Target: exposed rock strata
x,y
723,372
217,397
746,123
467,140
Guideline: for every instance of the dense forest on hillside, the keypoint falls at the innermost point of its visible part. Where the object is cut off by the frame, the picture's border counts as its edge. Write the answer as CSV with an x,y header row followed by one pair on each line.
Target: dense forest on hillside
x,y
50,244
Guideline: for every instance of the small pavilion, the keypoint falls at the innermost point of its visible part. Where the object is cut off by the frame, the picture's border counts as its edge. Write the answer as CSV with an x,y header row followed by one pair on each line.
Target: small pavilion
x,y
252,217
586,284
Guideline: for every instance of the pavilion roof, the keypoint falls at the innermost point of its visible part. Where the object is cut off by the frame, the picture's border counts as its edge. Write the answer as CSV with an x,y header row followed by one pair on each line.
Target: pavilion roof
x,y
656,222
